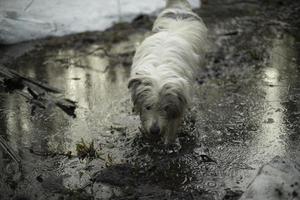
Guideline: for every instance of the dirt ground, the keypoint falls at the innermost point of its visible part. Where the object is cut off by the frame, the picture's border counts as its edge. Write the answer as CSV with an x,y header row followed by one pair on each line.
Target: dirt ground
x,y
67,130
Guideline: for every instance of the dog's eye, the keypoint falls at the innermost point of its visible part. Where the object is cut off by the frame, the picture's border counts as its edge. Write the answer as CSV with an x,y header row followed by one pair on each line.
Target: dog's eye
x,y
166,108
148,107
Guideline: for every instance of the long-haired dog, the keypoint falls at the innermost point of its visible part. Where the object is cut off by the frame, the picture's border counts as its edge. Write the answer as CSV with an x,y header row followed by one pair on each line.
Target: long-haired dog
x,y
164,68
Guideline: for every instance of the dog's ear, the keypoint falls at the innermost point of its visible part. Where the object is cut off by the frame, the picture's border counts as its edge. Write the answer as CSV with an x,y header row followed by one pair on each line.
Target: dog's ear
x,y
173,101
181,98
134,82
173,106
141,91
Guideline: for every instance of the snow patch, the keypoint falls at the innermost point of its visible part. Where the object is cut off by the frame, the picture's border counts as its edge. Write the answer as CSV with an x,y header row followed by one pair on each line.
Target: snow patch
x,y
22,20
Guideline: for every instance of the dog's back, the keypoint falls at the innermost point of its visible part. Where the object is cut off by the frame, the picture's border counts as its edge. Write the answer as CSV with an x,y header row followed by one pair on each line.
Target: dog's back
x,y
179,18
179,37
183,4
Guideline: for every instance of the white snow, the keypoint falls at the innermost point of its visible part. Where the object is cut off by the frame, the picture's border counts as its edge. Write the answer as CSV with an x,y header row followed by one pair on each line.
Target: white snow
x,y
22,20
277,180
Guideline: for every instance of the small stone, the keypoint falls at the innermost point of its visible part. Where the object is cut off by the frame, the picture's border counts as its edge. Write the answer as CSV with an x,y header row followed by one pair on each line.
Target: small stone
x,y
269,121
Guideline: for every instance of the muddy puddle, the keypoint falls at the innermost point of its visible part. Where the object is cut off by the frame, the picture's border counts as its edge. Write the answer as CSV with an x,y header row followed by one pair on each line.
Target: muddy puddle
x,y
245,112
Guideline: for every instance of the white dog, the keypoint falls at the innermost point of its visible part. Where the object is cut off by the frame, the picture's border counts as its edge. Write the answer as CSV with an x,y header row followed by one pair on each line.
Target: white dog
x,y
164,68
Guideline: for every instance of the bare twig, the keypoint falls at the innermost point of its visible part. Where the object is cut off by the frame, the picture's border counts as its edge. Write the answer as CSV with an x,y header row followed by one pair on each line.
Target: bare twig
x,y
28,6
6,147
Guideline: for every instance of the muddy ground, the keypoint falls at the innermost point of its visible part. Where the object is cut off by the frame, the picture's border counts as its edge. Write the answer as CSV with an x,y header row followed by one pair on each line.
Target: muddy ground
x,y
246,111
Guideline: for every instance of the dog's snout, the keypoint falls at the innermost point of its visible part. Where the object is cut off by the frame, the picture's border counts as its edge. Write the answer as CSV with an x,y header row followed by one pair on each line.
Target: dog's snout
x,y
154,129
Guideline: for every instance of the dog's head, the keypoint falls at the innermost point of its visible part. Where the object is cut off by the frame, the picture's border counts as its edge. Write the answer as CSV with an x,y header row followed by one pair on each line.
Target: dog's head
x,y
159,105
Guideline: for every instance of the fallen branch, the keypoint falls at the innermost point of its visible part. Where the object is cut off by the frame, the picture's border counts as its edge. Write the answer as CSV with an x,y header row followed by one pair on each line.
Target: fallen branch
x,y
34,91
10,74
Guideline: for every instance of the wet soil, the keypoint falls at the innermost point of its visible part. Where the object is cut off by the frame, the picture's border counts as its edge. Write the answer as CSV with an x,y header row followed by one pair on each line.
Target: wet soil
x,y
245,112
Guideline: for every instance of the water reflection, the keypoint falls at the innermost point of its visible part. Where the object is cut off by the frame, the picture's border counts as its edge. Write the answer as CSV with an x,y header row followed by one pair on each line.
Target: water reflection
x,y
273,125
98,92
277,80
87,78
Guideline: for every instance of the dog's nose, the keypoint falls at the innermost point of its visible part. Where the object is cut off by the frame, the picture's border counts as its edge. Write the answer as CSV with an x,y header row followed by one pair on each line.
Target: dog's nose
x,y
155,130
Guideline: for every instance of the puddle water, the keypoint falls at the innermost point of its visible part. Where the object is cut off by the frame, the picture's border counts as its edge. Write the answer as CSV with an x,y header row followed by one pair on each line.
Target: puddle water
x,y
100,92
103,107
245,122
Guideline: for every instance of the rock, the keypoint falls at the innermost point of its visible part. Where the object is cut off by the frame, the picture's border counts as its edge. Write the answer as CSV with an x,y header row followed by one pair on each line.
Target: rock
x,y
278,179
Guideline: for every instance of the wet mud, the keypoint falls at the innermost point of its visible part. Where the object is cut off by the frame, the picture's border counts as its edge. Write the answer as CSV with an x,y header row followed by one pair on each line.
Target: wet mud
x,y
245,111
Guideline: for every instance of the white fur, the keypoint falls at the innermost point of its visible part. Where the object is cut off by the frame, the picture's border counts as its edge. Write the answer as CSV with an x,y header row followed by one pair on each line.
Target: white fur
x,y
164,68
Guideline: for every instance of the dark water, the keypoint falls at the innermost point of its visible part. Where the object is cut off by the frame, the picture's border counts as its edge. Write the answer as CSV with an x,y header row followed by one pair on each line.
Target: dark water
x,y
245,112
